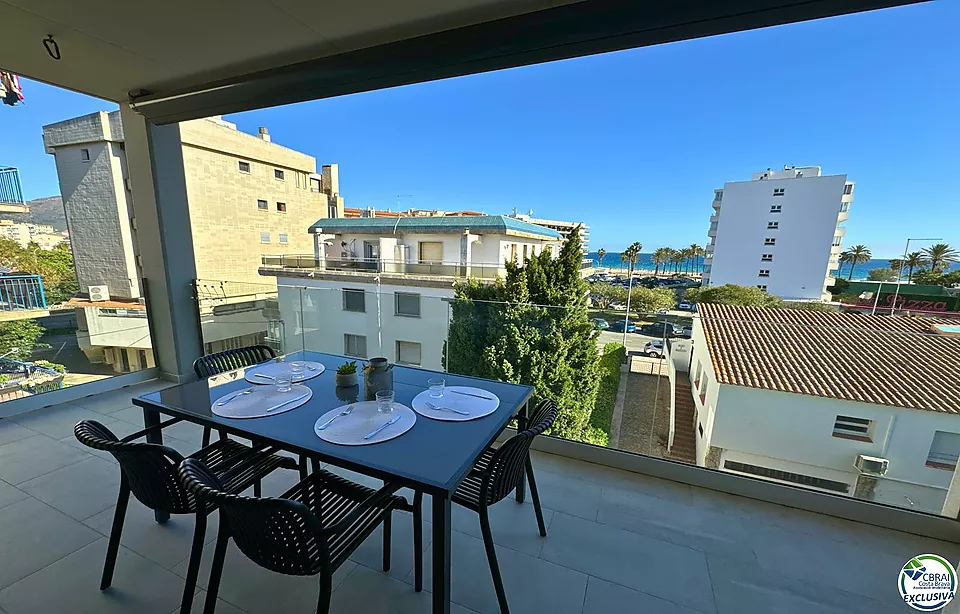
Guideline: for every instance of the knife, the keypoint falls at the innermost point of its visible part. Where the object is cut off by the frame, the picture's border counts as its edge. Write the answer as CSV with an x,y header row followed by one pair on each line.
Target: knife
x,y
278,406
382,426
263,375
470,394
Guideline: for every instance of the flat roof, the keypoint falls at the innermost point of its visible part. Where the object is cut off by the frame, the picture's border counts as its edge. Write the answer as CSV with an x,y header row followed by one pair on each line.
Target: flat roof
x,y
497,224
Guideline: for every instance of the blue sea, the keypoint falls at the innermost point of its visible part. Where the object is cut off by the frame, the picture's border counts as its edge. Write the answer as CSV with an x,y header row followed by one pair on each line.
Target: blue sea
x,y
612,260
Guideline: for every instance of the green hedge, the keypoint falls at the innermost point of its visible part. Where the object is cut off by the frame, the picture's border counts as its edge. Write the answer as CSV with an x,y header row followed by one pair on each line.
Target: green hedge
x,y
598,430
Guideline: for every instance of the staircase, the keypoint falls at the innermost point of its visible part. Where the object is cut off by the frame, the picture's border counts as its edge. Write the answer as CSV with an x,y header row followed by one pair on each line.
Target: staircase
x,y
684,436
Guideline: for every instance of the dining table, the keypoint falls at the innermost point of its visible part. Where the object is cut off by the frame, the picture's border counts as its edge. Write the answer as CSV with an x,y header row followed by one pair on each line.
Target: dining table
x,y
434,456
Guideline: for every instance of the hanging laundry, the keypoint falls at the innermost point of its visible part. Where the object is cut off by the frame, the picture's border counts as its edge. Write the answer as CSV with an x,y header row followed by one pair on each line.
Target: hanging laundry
x,y
10,91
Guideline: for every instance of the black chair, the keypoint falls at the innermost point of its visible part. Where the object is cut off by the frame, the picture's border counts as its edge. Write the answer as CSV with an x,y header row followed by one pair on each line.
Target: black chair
x,y
495,475
228,360
149,471
309,530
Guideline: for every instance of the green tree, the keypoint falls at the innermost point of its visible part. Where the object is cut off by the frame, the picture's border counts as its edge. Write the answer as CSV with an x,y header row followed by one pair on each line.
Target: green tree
x,y
883,274
631,256
915,260
732,294
536,331
808,306
926,277
603,295
661,255
676,257
54,266
649,300
940,256
858,254
18,338
600,254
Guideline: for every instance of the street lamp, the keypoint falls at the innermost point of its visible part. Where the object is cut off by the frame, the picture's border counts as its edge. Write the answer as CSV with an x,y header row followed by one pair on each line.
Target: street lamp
x,y
906,249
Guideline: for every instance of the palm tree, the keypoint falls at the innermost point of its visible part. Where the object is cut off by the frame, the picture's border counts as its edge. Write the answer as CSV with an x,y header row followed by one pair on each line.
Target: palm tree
x,y
858,254
668,254
660,256
600,254
940,256
914,260
677,258
631,256
694,250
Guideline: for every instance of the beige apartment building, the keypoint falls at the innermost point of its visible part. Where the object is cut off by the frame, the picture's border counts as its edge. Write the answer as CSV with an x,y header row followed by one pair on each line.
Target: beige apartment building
x,y
248,197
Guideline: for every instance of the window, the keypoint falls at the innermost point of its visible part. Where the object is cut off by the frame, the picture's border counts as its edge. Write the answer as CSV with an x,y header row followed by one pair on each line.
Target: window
x,y
332,211
408,353
844,207
776,208
431,252
848,189
718,195
764,272
762,287
696,379
85,155
284,238
848,427
703,393
786,476
513,252
281,207
355,345
700,429
944,451
262,205
769,241
778,191
278,174
142,356
354,300
773,225
524,253
244,166
407,304
766,258
264,237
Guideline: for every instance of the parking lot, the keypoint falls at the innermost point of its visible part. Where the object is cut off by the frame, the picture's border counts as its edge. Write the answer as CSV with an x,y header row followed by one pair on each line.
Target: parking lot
x,y
635,342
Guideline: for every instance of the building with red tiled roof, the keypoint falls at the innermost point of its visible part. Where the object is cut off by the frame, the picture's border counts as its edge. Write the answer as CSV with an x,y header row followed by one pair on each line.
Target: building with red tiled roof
x,y
865,406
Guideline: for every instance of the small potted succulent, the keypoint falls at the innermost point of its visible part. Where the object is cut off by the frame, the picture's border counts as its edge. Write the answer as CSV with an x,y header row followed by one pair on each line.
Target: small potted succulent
x,y
347,374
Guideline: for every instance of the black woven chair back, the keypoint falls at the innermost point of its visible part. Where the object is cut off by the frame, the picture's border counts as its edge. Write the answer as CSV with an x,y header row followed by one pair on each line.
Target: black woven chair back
x,y
508,463
228,360
277,534
149,469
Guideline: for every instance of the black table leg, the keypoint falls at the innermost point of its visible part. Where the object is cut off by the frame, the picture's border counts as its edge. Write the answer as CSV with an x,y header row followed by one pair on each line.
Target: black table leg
x,y
522,425
441,554
151,418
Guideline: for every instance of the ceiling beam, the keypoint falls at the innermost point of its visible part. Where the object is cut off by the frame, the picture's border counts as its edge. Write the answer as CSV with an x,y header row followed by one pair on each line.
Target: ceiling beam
x,y
573,30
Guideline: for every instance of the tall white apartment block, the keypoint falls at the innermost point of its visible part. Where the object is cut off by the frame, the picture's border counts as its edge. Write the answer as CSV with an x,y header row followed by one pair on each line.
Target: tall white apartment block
x,y
781,232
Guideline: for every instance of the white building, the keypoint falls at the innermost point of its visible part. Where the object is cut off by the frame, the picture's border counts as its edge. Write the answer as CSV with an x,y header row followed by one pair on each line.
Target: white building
x,y
382,286
25,233
564,228
780,231
798,397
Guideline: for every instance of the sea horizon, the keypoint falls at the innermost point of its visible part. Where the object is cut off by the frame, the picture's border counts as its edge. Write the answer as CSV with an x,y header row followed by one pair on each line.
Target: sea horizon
x,y
646,263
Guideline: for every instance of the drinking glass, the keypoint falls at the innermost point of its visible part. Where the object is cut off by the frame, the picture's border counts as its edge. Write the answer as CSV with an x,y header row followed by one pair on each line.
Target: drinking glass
x,y
284,382
385,401
436,387
297,367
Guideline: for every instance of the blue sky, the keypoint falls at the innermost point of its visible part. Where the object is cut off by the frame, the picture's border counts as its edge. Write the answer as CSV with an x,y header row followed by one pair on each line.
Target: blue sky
x,y
633,143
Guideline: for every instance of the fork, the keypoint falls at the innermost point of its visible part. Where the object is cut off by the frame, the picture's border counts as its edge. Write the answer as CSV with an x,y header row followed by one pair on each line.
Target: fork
x,y
239,394
438,408
345,412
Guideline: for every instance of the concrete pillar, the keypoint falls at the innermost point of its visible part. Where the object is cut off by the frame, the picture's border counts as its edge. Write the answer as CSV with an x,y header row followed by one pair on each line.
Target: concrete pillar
x,y
165,239
466,247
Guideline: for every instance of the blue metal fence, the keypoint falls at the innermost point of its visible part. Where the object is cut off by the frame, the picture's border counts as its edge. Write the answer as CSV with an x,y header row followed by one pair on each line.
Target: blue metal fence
x,y
21,292
10,192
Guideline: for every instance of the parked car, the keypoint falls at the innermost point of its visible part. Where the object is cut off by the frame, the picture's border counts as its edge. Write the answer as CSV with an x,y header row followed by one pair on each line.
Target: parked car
x,y
686,333
660,329
685,306
600,324
617,327
654,349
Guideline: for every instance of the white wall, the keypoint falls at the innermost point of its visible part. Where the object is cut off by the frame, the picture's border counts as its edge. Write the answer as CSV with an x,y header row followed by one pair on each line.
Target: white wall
x,y
807,226
323,322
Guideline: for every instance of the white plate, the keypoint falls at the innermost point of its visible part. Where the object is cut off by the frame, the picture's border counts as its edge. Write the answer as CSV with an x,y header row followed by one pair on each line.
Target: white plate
x,y
272,369
262,401
351,429
474,406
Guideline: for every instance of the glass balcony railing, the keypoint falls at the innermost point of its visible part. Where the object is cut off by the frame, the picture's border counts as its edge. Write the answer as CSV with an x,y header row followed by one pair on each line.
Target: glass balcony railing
x,y
756,400
383,265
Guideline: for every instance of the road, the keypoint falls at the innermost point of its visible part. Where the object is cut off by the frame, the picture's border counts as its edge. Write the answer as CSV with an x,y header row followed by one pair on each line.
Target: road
x,y
65,350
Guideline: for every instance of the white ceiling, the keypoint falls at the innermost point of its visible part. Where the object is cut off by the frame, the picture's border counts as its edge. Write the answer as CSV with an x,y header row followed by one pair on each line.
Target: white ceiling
x,y
110,47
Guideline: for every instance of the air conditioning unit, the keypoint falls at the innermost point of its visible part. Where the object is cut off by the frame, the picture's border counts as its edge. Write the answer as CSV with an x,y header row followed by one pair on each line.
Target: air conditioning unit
x,y
871,465
98,293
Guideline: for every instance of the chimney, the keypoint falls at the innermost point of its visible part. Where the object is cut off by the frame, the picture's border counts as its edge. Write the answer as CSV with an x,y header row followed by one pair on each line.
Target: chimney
x,y
263,134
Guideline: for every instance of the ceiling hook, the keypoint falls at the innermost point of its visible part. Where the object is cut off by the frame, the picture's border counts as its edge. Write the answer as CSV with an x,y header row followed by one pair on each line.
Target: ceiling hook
x,y
52,47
